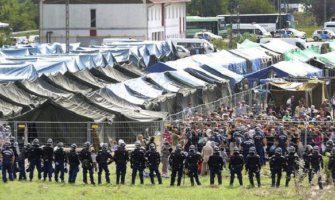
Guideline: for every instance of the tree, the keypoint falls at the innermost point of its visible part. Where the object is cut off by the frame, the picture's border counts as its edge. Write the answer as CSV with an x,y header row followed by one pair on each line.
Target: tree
x,y
206,7
317,8
20,14
256,6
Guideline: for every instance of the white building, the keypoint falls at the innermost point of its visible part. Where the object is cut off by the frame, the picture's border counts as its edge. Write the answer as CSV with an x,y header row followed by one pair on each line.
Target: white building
x,y
92,20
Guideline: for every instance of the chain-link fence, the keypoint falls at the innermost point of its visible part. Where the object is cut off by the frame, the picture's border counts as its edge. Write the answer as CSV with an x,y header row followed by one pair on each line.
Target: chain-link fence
x,y
79,132
252,97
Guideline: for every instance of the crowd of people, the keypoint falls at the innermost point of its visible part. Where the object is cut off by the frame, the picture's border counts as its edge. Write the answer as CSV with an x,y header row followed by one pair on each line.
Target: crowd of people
x,y
240,138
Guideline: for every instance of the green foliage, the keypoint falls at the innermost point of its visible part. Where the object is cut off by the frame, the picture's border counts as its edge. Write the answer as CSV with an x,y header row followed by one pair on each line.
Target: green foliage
x,y
206,7
256,6
20,14
5,37
317,8
224,43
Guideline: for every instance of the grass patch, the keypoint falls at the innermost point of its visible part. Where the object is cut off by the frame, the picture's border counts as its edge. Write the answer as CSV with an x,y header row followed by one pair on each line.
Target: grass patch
x,y
49,191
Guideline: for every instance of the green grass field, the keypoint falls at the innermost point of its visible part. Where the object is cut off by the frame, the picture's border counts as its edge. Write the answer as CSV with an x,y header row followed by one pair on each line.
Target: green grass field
x,y
36,190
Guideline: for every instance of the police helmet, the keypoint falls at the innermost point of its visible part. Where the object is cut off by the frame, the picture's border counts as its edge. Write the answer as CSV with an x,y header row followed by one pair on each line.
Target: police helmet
x,y
86,145
178,147
308,148
216,129
120,142
291,149
152,146
137,145
12,139
60,145
49,142
252,150
216,149
316,149
104,146
188,129
192,148
333,151
279,151
36,142
28,145
6,145
329,143
236,150
247,136
73,146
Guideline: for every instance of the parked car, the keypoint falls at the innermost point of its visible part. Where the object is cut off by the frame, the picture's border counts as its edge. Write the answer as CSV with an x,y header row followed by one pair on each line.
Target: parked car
x,y
207,36
194,45
182,52
320,35
290,33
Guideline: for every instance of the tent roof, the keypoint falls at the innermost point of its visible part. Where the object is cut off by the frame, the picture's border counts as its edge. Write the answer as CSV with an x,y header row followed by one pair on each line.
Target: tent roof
x,y
279,46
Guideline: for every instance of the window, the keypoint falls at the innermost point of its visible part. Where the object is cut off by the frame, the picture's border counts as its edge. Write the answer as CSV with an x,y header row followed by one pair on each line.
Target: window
x,y
93,18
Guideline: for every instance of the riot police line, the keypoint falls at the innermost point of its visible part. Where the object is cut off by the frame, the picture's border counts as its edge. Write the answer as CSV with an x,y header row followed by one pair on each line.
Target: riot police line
x,y
55,162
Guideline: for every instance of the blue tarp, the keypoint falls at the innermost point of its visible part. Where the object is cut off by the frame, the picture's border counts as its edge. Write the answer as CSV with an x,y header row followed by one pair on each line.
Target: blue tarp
x,y
159,67
286,68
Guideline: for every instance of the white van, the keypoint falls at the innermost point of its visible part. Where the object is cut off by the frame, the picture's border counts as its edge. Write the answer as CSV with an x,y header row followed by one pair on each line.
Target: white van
x,y
329,26
255,29
194,45
302,44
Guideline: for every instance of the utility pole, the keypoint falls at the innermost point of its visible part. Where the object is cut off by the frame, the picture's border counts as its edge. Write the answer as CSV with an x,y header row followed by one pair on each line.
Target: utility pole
x,y
238,18
325,10
67,26
279,11
41,21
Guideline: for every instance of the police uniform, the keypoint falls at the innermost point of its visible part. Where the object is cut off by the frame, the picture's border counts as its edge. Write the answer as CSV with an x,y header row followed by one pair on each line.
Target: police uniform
x,y
282,139
235,166
86,163
253,167
258,139
215,163
331,165
277,164
316,164
307,162
74,162
47,154
14,165
60,162
176,161
191,162
154,160
246,145
7,163
137,162
35,156
103,159
292,165
121,157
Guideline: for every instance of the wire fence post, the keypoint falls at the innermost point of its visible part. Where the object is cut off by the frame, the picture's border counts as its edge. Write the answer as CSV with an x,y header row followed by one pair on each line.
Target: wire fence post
x,y
15,131
89,134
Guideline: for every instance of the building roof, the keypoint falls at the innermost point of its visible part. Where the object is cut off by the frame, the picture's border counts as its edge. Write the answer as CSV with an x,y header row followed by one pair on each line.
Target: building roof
x,y
112,1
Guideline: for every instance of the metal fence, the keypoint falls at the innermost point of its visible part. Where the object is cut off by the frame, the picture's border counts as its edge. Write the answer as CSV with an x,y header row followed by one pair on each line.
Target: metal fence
x,y
79,132
251,97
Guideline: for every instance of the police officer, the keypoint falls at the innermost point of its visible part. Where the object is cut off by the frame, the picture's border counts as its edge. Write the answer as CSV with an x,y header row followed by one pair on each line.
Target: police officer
x,y
13,147
153,159
86,162
35,156
253,167
74,162
176,161
246,145
292,164
21,164
277,164
104,158
281,138
306,156
47,154
60,162
259,142
316,164
329,147
235,166
121,157
8,159
137,163
191,163
215,163
331,165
